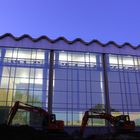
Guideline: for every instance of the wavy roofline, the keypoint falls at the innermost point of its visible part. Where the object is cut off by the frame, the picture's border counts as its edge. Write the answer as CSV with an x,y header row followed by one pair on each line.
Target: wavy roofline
x,y
67,41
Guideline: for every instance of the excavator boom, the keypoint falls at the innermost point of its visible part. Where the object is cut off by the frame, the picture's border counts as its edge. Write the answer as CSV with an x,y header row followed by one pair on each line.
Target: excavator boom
x,y
26,107
120,123
50,121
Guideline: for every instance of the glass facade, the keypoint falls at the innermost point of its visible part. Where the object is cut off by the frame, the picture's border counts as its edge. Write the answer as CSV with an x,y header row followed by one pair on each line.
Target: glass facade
x,y
78,84
124,85
22,73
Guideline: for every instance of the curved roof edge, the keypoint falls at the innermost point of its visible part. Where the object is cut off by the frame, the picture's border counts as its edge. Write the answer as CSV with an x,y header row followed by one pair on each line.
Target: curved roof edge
x,y
67,41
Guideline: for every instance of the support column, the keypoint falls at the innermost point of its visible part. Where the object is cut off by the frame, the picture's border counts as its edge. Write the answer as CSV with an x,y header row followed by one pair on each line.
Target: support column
x,y
3,52
45,77
50,86
106,89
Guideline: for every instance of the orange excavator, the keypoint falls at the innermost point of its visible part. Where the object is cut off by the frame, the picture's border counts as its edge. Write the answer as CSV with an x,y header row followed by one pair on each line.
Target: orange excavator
x,y
120,123
49,120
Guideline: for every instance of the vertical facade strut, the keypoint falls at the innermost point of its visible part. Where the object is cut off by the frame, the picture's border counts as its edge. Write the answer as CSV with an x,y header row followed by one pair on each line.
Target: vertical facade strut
x,y
45,76
3,51
50,86
106,89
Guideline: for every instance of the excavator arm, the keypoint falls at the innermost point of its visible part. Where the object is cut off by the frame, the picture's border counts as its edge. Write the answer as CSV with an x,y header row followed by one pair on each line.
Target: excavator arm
x,y
84,123
121,122
26,107
89,114
49,122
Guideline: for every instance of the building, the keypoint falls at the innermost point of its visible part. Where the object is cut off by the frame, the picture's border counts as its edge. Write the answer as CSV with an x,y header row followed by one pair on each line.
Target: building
x,y
69,77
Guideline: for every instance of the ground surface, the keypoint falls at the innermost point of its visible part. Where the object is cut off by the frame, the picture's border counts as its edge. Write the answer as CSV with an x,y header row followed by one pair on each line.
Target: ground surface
x,y
29,133
131,136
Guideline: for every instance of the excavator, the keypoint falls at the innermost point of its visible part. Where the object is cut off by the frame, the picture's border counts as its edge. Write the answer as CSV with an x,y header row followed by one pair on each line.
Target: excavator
x,y
49,120
120,123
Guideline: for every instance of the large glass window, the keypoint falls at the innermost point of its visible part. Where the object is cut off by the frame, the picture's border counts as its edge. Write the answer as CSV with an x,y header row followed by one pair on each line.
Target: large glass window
x,y
78,86
22,77
124,83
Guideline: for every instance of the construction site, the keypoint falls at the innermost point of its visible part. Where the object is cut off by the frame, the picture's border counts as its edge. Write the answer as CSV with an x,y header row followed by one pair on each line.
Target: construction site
x,y
122,127
68,90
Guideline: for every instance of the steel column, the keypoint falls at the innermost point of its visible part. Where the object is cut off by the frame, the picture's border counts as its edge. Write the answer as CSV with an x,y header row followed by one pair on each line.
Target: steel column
x,y
3,52
45,77
106,89
50,86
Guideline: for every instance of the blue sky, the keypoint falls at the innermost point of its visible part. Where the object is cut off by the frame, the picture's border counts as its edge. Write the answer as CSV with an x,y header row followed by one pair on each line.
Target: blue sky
x,y
104,20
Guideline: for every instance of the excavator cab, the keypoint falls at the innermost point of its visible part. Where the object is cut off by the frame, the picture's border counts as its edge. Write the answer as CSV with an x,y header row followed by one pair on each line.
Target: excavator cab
x,y
54,125
123,123
53,118
123,118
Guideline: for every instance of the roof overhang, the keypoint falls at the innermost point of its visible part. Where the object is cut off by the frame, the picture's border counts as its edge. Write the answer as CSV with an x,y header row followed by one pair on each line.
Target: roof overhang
x,y
43,42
